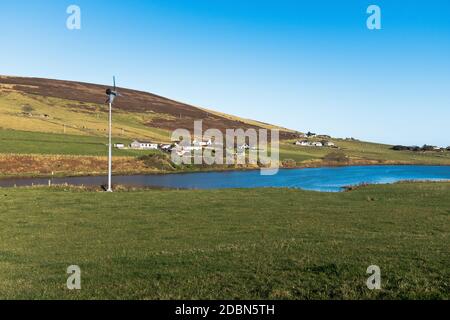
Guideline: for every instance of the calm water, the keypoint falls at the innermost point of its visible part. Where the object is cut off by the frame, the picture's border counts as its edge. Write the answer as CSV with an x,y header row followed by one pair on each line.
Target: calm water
x,y
318,179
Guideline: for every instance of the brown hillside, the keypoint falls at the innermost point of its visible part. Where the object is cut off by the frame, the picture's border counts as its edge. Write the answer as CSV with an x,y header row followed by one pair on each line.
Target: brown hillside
x,y
182,115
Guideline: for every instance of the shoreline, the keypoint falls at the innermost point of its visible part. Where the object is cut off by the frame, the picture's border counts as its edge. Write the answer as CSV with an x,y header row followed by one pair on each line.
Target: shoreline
x,y
316,165
131,188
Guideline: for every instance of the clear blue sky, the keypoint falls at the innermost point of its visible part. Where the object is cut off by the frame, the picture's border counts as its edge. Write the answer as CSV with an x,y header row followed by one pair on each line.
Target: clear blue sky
x,y
306,65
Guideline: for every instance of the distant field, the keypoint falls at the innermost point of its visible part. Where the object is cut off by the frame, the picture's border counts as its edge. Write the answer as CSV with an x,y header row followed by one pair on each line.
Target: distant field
x,y
18,143
378,151
228,244
24,142
364,151
299,154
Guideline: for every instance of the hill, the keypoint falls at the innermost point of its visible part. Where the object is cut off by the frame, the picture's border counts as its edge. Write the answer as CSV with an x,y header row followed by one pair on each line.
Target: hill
x,y
56,106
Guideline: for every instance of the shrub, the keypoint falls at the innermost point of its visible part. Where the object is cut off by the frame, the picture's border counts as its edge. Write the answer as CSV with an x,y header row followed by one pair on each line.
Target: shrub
x,y
336,156
289,163
158,161
27,108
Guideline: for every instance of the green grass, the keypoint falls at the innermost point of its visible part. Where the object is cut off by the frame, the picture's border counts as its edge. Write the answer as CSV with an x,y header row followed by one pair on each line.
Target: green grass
x,y
364,151
378,151
228,244
299,154
25,142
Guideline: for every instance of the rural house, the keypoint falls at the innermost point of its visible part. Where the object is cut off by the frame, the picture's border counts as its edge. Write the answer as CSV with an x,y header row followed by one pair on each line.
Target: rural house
x,y
202,143
243,147
166,147
303,143
119,146
144,145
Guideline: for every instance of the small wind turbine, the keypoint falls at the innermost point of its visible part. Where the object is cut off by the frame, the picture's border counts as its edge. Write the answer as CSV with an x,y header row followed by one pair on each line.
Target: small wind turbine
x,y
112,94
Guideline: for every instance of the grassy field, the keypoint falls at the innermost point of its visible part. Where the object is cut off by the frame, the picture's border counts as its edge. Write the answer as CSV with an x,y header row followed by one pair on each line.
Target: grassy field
x,y
24,153
229,244
364,151
26,142
377,151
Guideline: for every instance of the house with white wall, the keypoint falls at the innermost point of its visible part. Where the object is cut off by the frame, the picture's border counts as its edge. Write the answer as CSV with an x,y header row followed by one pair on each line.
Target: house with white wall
x,y
144,145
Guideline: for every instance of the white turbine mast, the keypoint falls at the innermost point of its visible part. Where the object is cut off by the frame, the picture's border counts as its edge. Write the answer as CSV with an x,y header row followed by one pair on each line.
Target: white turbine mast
x,y
112,94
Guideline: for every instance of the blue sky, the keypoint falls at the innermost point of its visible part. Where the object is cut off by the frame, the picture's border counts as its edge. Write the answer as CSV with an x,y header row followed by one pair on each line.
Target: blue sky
x,y
306,65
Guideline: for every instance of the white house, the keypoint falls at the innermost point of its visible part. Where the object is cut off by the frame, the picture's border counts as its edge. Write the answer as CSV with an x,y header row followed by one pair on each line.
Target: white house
x,y
181,147
243,147
329,144
202,143
303,143
317,144
183,153
144,145
119,146
192,148
166,147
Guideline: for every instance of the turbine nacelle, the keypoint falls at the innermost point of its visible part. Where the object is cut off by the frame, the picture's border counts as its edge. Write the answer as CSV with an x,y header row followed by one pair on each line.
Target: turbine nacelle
x,y
112,93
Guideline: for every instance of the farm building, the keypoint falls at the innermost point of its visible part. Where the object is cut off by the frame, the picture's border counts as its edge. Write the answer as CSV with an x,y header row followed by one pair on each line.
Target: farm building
x,y
243,147
119,146
202,143
144,145
303,143
166,147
